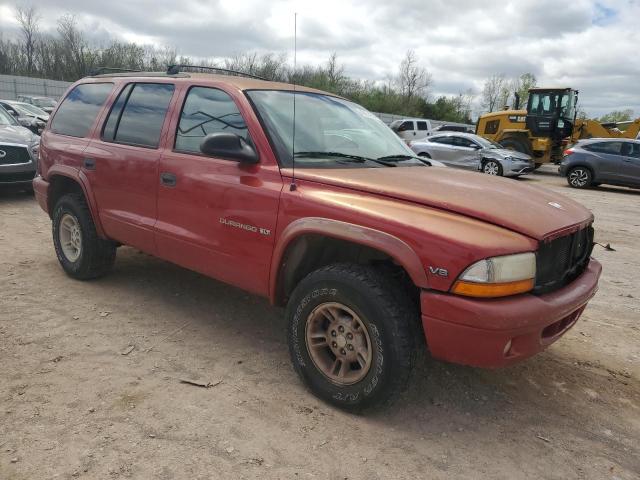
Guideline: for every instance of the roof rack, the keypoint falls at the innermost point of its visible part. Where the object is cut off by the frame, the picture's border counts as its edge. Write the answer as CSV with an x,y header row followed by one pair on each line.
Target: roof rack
x,y
175,69
100,70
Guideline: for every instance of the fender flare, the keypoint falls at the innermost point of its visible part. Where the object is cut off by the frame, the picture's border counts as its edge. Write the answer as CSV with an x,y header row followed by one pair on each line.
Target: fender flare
x,y
81,179
396,248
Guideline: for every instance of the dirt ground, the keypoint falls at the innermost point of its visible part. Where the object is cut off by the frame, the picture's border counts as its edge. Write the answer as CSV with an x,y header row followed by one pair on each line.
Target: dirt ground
x,y
77,402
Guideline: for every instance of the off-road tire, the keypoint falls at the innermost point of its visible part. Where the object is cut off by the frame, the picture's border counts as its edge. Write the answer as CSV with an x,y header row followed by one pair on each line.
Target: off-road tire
x,y
498,167
96,255
389,316
580,177
517,144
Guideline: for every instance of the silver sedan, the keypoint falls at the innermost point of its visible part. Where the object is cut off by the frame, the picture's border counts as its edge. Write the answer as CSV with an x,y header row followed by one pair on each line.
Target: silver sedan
x,y
472,152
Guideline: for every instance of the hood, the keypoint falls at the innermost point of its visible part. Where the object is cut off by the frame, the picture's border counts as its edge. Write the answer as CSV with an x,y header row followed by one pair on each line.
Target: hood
x,y
16,134
505,152
532,211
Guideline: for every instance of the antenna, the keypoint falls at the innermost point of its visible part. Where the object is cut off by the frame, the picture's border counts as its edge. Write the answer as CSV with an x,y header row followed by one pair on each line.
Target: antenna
x,y
292,187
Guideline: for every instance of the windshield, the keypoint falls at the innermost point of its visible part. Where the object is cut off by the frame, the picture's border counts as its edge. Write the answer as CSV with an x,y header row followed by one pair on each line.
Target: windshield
x,y
6,118
329,130
44,102
28,109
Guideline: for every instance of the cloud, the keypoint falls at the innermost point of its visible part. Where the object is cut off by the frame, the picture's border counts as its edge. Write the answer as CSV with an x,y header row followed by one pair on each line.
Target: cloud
x,y
590,45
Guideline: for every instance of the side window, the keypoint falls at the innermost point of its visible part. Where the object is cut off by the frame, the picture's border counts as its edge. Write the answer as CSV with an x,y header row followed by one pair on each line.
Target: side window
x,y
635,150
138,114
205,111
612,148
492,127
422,126
442,140
462,142
408,125
79,109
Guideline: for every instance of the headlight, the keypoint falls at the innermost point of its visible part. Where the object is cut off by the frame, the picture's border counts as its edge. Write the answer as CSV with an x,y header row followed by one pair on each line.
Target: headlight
x,y
498,276
35,151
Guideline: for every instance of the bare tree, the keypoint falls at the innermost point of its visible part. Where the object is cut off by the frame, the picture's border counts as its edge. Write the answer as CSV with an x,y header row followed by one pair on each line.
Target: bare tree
x,y
413,80
73,43
493,92
28,19
335,72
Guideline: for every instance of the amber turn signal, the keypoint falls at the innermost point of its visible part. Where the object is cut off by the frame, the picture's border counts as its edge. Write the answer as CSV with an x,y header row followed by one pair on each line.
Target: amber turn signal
x,y
488,290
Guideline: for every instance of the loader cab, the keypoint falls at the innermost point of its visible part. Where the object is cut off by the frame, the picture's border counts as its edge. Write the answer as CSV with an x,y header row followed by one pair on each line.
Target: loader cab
x,y
551,112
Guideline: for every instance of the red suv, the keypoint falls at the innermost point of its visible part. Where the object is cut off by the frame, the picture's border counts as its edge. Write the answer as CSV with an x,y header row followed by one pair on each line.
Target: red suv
x,y
308,199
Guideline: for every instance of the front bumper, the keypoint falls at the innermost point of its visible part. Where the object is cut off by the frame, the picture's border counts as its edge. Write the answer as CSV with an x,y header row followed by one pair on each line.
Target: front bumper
x,y
520,170
19,174
498,332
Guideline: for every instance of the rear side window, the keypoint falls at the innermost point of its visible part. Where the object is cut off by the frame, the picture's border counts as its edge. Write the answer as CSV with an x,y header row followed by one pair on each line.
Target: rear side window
x,y
79,109
612,148
138,114
442,140
205,111
422,126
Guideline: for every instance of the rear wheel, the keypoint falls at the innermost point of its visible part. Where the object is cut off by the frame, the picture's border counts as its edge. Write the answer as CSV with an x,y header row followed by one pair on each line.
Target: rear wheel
x,y
492,167
81,252
579,177
350,336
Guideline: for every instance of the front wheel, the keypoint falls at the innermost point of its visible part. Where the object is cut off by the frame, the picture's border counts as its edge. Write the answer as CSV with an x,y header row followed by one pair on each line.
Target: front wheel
x,y
579,177
492,167
350,336
81,252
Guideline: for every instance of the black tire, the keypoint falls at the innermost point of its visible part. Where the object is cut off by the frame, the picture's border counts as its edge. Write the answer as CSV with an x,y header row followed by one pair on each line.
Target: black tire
x,y
96,255
493,166
580,177
517,144
537,166
387,313
424,154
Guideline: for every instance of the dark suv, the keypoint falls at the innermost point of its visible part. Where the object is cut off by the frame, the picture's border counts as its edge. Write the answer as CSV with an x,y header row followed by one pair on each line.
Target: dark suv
x,y
371,249
613,161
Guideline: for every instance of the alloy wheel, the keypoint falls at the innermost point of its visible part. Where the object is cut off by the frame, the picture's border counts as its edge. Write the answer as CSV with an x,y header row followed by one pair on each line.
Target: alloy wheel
x,y
70,237
338,343
578,177
491,168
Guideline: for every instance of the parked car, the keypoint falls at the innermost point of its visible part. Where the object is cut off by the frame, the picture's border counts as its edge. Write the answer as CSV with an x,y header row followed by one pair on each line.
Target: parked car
x,y
592,162
368,247
18,153
28,115
453,128
45,103
411,129
472,152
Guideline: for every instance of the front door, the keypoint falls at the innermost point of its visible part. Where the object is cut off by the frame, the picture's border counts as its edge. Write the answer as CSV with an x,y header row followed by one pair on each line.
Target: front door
x,y
216,215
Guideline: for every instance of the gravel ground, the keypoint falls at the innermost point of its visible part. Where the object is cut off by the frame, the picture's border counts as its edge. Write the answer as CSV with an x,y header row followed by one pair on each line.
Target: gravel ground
x,y
90,381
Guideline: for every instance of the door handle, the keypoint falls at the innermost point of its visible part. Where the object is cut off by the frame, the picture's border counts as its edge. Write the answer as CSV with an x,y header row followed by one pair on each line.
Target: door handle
x,y
168,179
89,163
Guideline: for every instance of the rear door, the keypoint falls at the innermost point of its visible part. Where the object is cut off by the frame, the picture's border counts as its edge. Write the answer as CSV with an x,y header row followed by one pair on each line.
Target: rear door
x,y
606,160
631,163
122,163
67,136
441,148
422,129
217,215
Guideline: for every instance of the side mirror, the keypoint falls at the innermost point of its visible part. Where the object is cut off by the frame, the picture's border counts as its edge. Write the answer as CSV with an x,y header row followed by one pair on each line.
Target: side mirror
x,y
228,145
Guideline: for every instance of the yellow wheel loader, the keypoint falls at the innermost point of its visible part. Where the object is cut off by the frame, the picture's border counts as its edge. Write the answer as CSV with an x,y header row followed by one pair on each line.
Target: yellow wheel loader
x,y
547,126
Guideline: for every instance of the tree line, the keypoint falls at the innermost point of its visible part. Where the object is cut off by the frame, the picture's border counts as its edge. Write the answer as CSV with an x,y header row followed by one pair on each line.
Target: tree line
x,y
67,54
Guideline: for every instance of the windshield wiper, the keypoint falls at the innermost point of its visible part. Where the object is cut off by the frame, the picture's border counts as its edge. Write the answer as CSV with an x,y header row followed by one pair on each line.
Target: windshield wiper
x,y
403,158
346,156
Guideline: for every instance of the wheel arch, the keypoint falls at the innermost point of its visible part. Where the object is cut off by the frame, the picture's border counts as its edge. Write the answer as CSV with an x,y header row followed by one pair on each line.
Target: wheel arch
x,y
63,180
310,243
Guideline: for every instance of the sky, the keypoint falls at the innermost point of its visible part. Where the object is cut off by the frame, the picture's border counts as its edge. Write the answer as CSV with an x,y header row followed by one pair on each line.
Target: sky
x,y
590,45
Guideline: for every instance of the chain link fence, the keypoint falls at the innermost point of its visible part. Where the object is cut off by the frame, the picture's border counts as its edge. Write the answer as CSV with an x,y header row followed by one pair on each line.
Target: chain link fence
x,y
12,85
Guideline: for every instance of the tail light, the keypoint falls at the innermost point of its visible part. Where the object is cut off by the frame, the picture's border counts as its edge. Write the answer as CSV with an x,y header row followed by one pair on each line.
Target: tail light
x,y
568,152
